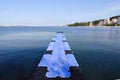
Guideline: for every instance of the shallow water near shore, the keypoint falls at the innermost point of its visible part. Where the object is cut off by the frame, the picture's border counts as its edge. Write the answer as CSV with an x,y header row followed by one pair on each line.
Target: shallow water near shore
x,y
97,50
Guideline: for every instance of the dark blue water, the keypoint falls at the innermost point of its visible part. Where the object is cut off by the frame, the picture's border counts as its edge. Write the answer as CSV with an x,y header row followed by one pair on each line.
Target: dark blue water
x,y
97,50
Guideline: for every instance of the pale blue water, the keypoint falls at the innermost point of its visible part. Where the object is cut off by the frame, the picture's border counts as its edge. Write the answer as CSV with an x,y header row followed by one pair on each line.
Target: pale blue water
x,y
97,50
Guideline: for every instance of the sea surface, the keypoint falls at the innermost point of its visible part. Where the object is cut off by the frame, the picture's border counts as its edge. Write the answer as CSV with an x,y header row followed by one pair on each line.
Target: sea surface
x,y
97,50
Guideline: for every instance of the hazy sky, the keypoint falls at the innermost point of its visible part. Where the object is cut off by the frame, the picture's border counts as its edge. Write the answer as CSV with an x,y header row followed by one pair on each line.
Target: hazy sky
x,y
55,12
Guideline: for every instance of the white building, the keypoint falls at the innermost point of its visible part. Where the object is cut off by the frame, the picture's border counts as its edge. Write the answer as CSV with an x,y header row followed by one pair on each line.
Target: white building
x,y
118,20
114,20
107,21
91,25
101,23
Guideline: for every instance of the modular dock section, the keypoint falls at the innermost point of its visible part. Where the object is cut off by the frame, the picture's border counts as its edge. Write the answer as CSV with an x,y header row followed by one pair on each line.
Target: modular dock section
x,y
58,63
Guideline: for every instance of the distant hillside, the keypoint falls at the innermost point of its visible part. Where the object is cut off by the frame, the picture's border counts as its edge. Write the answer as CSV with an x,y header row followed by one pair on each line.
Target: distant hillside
x,y
112,21
114,17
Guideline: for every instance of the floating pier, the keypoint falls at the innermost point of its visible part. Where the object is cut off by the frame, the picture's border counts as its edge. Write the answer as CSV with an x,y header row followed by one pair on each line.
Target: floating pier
x,y
58,63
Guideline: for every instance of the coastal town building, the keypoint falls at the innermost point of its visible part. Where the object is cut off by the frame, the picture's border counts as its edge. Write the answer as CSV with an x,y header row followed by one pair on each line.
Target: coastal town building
x,y
118,20
110,21
91,25
107,21
101,23
114,20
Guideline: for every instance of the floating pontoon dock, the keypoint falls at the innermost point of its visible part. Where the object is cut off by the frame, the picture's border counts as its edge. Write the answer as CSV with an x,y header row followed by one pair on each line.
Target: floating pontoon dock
x,y
58,63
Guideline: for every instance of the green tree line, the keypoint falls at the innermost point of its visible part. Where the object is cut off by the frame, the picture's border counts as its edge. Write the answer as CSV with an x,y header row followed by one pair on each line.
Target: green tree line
x,y
80,24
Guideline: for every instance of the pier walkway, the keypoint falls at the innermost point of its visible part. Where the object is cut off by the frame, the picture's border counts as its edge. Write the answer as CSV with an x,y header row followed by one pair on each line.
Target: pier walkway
x,y
58,63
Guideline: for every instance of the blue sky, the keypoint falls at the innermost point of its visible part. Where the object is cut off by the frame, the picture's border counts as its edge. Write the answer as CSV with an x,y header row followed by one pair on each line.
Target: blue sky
x,y
55,12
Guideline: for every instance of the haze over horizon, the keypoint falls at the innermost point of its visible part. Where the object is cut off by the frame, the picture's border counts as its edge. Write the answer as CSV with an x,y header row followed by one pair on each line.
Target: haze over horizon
x,y
55,12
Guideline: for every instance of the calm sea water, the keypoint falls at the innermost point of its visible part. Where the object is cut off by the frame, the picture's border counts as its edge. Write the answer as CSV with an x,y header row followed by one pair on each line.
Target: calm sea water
x,y
97,50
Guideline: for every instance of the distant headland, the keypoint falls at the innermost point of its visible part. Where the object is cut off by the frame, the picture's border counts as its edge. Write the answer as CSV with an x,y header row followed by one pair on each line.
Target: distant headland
x,y
112,21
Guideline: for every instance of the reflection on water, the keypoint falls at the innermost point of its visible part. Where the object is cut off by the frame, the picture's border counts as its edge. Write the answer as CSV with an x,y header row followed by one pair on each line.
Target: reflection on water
x,y
20,52
97,50
114,34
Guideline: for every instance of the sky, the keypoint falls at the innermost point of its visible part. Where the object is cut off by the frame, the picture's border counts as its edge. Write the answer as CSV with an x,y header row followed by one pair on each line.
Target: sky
x,y
55,12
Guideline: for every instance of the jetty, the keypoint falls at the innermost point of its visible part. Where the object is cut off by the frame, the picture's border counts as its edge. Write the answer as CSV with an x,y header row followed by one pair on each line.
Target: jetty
x,y
58,62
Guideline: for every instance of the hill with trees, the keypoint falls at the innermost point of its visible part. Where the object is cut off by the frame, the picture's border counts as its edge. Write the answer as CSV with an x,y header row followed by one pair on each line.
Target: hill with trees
x,y
112,21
